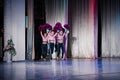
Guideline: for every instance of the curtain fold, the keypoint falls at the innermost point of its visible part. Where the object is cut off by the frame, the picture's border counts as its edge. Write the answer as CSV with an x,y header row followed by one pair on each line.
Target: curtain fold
x,y
82,21
110,18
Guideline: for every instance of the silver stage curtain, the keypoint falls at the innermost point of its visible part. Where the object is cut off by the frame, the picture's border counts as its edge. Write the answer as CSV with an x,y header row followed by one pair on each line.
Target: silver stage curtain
x,y
110,20
82,18
56,11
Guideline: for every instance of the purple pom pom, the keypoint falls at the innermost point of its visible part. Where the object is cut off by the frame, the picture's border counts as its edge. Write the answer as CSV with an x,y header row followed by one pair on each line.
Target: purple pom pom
x,y
58,26
41,27
55,29
67,26
48,26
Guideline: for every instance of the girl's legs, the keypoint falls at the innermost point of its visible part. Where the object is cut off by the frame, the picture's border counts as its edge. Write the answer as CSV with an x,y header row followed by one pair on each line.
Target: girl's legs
x,y
58,50
55,47
51,49
60,46
42,47
44,50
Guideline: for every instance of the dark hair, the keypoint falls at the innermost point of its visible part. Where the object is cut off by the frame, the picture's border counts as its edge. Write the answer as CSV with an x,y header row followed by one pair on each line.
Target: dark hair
x,y
63,29
52,30
44,31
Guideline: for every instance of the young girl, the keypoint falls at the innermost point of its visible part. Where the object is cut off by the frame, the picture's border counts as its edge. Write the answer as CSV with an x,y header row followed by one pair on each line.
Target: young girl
x,y
51,37
60,42
44,44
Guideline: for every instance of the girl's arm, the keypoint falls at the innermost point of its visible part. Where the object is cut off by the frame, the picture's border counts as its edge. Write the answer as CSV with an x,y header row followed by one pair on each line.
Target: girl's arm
x,y
41,34
67,32
64,33
55,34
49,33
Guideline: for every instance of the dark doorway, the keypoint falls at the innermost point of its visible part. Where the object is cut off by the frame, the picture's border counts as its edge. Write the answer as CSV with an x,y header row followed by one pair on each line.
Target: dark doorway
x,y
39,18
26,14
1,29
99,30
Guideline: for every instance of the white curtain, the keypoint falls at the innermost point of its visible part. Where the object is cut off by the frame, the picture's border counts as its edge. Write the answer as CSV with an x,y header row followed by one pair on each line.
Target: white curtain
x,y
110,18
14,26
83,34
56,11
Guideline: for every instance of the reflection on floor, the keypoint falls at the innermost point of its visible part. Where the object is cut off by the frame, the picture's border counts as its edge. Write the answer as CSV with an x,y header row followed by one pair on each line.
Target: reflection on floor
x,y
76,69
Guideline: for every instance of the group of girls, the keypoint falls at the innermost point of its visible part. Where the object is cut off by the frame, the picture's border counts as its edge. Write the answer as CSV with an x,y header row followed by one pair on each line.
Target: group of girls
x,y
51,38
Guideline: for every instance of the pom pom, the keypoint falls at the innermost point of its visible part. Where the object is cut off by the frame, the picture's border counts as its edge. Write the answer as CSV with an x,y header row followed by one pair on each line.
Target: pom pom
x,y
66,26
57,26
48,26
60,28
55,29
41,27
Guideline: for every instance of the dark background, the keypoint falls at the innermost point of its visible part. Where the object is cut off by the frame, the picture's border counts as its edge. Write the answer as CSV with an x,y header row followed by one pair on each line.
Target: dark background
x,y
2,25
39,18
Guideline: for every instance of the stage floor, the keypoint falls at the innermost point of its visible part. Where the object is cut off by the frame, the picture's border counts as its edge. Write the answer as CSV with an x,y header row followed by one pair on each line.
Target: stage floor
x,y
75,69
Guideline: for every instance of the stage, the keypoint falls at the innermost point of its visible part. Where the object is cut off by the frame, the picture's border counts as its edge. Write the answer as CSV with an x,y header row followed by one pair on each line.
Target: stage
x,y
72,69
